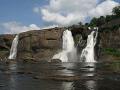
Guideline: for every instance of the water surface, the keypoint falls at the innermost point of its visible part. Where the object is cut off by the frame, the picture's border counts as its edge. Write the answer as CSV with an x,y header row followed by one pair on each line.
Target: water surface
x,y
54,76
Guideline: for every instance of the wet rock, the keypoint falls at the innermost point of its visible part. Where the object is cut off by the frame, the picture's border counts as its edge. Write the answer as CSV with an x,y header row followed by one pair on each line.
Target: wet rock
x,y
29,72
56,61
64,78
21,72
36,77
58,68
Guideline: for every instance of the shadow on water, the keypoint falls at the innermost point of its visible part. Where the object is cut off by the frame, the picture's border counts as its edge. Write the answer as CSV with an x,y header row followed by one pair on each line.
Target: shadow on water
x,y
60,76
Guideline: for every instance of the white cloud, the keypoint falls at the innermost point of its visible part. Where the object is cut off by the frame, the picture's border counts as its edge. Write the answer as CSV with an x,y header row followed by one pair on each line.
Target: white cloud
x,y
36,9
15,27
51,26
104,8
66,12
33,27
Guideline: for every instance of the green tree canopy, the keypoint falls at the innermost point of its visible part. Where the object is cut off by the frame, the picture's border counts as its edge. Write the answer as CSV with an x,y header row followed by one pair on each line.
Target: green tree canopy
x,y
116,11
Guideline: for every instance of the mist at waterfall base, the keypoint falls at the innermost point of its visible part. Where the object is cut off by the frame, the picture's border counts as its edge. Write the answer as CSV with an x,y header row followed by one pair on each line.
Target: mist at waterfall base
x,y
87,54
13,50
68,52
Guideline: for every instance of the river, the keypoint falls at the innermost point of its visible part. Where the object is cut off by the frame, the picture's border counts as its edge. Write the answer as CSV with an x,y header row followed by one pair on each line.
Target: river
x,y
60,76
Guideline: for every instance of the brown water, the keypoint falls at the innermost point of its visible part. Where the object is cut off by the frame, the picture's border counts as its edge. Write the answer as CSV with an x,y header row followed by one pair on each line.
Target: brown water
x,y
34,76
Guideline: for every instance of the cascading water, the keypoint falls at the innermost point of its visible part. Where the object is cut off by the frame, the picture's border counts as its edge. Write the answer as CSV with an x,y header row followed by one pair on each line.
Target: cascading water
x,y
68,48
13,50
88,52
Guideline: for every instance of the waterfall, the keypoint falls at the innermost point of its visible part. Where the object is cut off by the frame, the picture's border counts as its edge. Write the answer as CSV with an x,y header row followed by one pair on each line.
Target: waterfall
x,y
87,54
68,48
13,50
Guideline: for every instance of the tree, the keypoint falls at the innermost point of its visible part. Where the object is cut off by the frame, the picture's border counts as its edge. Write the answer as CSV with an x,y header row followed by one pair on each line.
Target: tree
x,y
108,18
86,24
93,22
116,11
80,23
101,21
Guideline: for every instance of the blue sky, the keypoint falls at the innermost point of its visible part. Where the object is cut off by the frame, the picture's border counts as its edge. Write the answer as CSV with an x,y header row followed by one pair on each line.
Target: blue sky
x,y
26,14
20,10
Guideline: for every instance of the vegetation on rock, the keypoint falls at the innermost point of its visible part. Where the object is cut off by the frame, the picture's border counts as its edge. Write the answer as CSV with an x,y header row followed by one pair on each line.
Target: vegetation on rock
x,y
112,51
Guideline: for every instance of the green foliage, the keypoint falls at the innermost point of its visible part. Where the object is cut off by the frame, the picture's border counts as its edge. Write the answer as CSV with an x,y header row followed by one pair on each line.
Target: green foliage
x,y
3,49
112,51
116,11
115,66
102,21
77,38
115,27
86,24
108,18
93,22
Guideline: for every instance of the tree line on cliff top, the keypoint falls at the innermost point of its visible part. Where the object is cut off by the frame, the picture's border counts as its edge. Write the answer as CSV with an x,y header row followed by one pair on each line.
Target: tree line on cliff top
x,y
101,20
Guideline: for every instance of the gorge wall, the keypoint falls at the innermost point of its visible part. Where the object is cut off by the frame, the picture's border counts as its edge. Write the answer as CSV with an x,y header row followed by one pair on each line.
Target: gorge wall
x,y
36,44
41,45
109,44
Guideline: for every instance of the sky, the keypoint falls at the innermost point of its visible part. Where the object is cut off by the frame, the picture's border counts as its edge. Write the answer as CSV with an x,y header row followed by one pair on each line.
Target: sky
x,y
22,15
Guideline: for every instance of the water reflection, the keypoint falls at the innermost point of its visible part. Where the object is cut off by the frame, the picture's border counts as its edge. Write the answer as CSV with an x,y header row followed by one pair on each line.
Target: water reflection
x,y
84,70
68,69
93,76
90,72
13,66
91,85
12,81
67,86
89,69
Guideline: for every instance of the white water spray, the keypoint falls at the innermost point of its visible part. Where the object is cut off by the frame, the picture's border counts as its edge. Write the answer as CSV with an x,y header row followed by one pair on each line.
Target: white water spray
x,y
13,50
88,52
68,47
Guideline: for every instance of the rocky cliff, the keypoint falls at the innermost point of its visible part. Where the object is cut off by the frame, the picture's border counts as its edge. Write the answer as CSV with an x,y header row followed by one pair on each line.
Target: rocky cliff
x,y
41,45
36,44
5,45
109,44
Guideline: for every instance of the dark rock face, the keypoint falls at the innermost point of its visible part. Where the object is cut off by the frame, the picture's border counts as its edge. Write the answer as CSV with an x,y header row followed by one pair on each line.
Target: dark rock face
x,y
6,41
109,41
5,45
40,44
35,45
